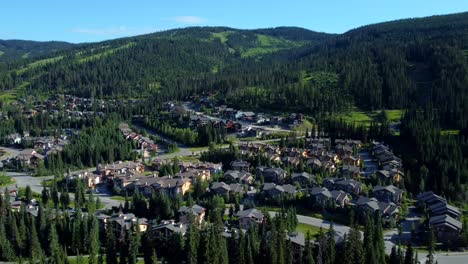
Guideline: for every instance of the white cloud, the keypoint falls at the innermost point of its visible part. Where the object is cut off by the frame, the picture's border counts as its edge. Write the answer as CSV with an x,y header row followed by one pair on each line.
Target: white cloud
x,y
113,31
188,19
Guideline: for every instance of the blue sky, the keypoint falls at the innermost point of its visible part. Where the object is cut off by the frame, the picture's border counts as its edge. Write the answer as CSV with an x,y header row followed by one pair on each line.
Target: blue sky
x,y
96,20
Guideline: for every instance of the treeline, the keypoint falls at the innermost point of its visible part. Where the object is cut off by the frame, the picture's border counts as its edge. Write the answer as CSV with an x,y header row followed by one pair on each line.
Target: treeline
x,y
100,143
178,130
434,161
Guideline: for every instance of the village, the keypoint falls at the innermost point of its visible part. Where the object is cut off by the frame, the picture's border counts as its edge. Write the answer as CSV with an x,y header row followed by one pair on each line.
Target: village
x,y
329,179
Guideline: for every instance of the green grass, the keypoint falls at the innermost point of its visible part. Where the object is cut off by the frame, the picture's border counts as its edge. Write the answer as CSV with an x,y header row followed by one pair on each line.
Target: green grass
x,y
6,180
26,55
267,44
366,117
450,132
104,53
1,53
38,64
306,125
222,36
118,198
304,228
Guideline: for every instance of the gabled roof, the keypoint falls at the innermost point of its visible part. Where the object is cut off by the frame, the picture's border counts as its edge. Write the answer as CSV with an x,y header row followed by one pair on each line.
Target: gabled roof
x,y
388,188
250,213
195,210
304,175
445,220
443,208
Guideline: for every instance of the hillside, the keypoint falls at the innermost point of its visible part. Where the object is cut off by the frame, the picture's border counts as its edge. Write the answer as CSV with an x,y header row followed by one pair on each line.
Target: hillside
x,y
391,65
11,50
146,64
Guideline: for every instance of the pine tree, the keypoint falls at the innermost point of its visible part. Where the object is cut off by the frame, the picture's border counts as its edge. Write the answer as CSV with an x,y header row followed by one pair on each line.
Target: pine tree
x,y
378,239
93,241
308,255
154,257
34,244
55,252
331,245
111,246
368,243
431,246
192,244
409,255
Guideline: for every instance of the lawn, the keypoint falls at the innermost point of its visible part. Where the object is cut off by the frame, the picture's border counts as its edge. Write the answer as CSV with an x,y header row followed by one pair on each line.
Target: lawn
x,y
306,125
449,132
6,180
366,117
104,53
118,198
303,228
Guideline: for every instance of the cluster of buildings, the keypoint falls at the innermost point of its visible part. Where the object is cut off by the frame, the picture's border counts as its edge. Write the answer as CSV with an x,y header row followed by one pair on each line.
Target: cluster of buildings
x,y
444,218
143,143
38,149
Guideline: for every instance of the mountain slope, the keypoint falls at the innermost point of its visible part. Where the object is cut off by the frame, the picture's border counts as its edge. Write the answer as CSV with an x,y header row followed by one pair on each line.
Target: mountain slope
x,y
145,64
392,65
11,50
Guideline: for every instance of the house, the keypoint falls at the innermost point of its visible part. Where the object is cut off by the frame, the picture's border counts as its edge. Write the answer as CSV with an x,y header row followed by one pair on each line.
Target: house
x,y
276,175
390,176
348,185
196,212
446,228
29,157
388,193
341,198
220,188
443,208
119,167
351,161
249,217
351,171
274,191
167,228
297,240
388,211
240,165
303,178
238,176
321,196
172,186
121,222
429,198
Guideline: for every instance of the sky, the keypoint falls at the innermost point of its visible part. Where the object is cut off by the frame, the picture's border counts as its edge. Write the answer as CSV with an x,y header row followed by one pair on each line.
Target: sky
x,y
97,20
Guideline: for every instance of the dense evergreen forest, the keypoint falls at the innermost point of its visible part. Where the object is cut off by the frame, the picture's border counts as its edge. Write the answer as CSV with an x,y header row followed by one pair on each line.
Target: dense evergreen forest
x,y
11,50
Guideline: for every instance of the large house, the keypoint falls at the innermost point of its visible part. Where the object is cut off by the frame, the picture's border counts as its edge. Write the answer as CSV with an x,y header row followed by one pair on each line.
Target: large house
x,y
348,185
238,176
166,228
274,191
446,227
196,212
240,165
321,196
276,175
388,193
303,178
249,217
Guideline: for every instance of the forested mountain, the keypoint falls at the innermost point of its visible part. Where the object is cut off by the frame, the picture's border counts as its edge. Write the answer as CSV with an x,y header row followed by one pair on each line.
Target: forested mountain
x,y
11,50
390,65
